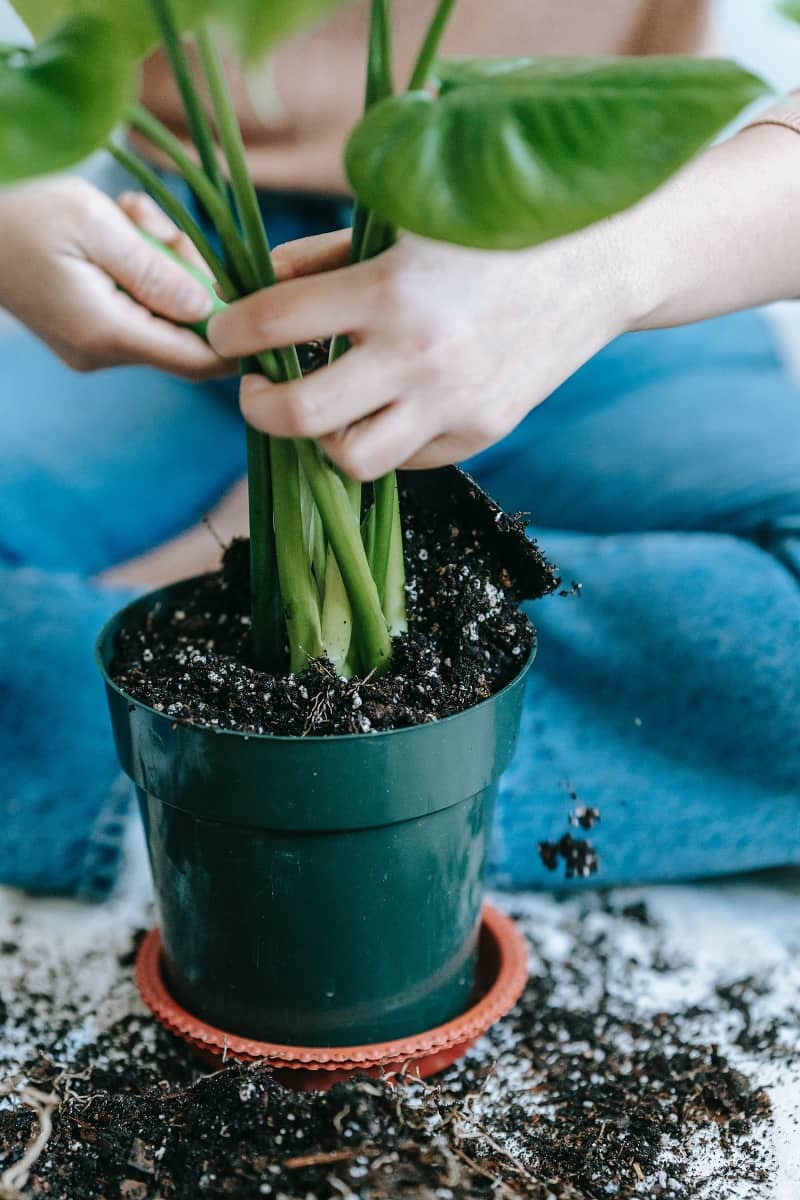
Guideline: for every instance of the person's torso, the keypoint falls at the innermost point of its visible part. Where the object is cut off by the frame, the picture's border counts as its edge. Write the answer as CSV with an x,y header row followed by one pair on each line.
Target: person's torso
x,y
297,109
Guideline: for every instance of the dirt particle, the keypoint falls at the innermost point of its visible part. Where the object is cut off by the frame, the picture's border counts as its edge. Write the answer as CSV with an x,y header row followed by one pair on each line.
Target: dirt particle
x,y
578,855
586,817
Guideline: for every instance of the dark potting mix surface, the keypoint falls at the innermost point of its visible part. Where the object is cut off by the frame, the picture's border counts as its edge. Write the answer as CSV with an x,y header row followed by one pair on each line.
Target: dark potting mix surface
x,y
654,1054
467,639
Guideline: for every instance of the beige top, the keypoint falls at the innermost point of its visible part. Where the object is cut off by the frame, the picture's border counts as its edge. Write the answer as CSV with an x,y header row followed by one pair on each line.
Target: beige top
x,y
296,112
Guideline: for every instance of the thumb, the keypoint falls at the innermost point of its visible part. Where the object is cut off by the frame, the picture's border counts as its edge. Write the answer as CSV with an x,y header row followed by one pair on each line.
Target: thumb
x,y
152,276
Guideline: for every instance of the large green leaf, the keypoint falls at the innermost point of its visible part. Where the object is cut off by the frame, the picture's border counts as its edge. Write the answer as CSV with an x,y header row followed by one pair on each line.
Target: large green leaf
x,y
131,18
255,24
514,152
61,99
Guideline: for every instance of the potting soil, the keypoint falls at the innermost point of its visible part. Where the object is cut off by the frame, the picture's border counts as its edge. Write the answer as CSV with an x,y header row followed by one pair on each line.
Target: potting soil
x,y
467,638
634,1066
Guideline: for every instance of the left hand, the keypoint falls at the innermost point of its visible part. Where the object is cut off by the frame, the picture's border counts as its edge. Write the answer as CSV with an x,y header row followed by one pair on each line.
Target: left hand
x,y
451,347
74,269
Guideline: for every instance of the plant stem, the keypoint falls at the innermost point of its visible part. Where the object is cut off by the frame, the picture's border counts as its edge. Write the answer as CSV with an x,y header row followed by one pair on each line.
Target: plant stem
x,y
288,530
342,528
379,85
368,532
385,540
395,602
266,630
422,67
337,618
196,115
380,73
385,499
378,234
279,469
230,137
265,600
198,122
298,590
209,187
215,205
179,214
301,605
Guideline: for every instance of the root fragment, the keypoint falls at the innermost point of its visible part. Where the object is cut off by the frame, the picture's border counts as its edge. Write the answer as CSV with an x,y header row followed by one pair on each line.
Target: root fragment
x,y
44,1104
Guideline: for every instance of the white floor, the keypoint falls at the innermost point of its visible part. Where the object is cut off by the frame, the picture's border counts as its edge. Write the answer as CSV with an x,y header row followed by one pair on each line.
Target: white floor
x,y
714,934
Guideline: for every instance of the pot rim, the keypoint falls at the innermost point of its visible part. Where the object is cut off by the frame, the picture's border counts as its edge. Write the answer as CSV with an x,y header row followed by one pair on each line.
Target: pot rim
x,y
107,634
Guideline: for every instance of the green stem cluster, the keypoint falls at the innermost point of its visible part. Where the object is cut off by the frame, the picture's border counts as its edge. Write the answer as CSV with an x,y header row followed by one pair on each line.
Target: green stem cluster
x,y
323,579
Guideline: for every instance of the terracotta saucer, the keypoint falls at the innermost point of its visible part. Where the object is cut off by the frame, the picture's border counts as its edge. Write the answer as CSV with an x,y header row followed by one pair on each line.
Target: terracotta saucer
x,y
501,975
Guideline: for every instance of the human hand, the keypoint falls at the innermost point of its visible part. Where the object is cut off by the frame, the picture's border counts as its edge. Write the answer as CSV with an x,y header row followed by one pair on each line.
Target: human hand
x,y
451,347
65,248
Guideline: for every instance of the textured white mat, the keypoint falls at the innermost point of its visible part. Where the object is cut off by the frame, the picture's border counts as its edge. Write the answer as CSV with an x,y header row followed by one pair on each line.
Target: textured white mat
x,y
697,939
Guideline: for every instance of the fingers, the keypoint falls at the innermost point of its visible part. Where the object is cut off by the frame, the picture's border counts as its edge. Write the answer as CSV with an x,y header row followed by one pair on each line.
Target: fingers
x,y
381,442
310,255
149,217
320,403
146,274
141,338
298,310
442,451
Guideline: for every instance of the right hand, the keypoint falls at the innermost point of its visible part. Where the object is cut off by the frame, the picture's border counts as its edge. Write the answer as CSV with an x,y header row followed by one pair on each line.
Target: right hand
x,y
66,251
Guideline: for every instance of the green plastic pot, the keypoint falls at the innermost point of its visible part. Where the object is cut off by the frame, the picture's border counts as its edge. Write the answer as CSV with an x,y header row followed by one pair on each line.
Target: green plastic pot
x,y
319,891
326,891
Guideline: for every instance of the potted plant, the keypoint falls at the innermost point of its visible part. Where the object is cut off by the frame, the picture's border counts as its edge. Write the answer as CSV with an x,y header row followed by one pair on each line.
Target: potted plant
x,y
326,888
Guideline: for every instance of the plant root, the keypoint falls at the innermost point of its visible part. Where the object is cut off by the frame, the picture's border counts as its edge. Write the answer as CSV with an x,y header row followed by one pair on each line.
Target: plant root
x,y
44,1104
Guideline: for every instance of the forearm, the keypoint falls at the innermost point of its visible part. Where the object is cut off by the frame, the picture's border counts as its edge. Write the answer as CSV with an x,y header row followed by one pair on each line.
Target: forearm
x,y
723,235
194,552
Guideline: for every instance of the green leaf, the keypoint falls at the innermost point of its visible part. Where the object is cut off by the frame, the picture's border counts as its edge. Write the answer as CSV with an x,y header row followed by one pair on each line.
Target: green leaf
x,y
259,24
60,100
255,24
514,152
131,19
790,9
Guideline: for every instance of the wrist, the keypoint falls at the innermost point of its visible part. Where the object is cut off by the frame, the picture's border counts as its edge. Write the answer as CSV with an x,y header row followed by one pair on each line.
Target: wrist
x,y
628,255
720,236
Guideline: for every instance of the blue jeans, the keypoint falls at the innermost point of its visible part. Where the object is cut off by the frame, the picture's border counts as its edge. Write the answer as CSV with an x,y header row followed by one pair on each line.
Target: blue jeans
x,y
664,476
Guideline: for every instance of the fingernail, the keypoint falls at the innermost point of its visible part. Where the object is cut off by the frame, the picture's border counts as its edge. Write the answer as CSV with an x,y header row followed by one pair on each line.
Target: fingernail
x,y
253,386
252,394
193,302
211,332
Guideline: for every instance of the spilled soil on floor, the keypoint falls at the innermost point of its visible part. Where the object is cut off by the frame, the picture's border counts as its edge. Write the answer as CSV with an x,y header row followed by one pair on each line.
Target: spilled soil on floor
x,y
580,1094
